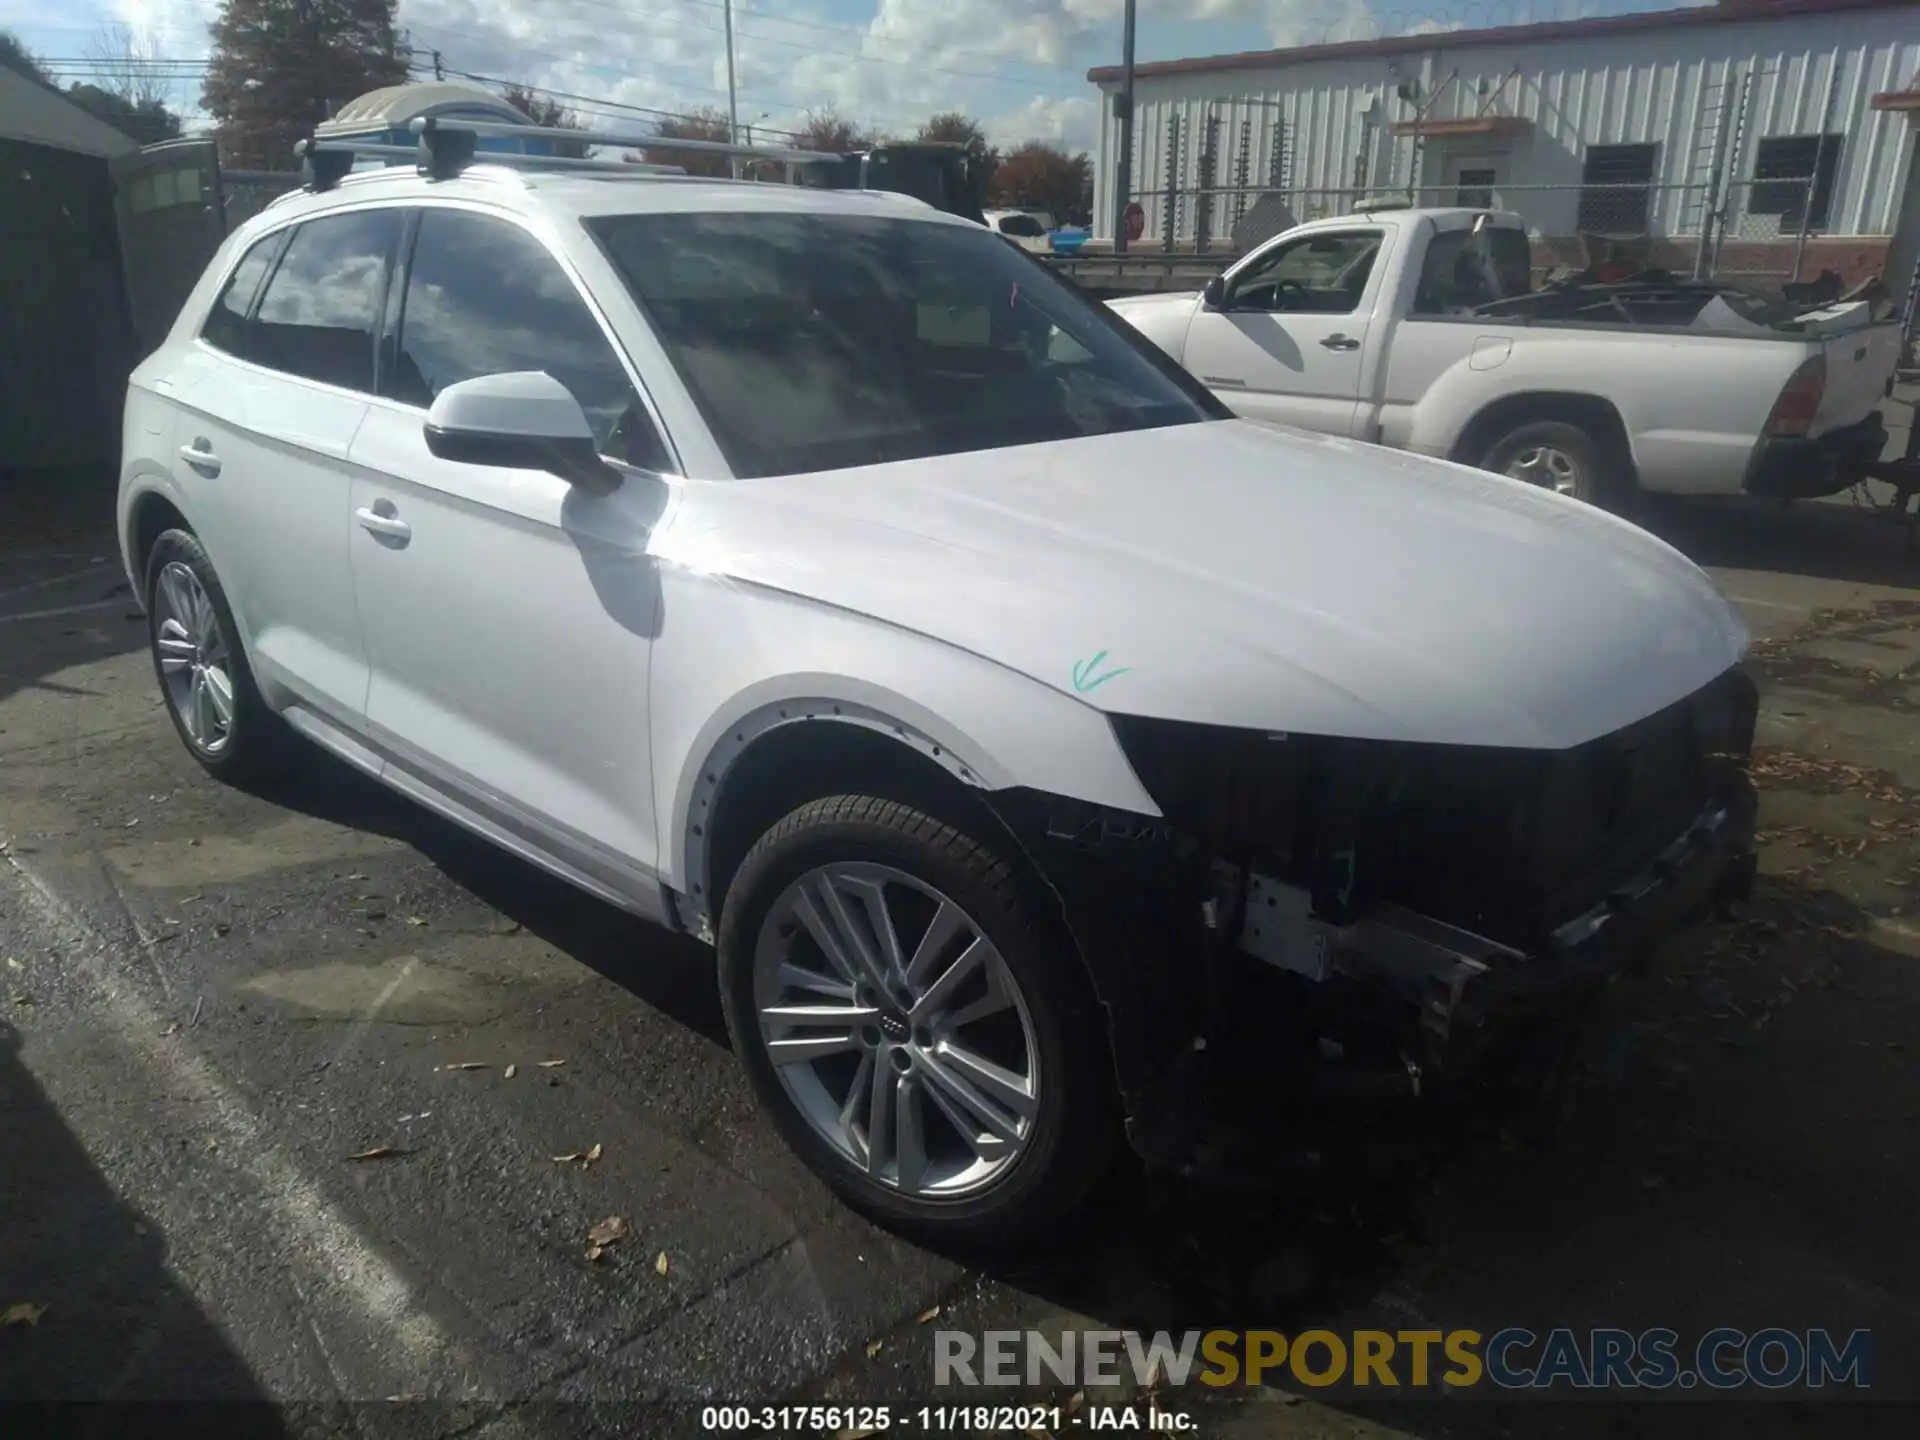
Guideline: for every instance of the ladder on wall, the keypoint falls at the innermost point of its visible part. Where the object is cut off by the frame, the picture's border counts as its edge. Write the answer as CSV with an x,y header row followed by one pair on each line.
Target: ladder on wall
x,y
1719,135
1242,174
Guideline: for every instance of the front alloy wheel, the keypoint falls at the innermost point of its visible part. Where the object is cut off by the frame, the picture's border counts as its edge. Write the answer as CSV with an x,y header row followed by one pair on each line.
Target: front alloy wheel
x,y
915,1020
896,1029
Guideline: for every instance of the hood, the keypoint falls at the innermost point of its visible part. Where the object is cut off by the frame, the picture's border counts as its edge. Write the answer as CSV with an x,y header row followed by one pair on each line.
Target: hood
x,y
1163,319
1231,574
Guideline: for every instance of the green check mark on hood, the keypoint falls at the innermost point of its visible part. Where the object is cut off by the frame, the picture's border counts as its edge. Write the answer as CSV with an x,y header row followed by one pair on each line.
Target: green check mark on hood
x,y
1087,674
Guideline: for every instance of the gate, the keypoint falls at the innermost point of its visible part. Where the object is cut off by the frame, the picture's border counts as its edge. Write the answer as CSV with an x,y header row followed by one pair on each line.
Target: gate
x,y
174,205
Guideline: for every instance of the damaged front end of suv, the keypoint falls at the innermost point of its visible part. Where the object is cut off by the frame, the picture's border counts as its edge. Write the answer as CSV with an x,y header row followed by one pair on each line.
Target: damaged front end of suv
x,y
1369,918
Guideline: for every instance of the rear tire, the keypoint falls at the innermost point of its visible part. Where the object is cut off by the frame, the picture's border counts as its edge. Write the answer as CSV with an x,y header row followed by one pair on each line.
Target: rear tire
x,y
947,1166
1563,457
204,677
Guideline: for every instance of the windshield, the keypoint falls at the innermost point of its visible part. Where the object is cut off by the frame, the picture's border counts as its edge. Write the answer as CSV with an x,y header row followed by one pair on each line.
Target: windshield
x,y
822,342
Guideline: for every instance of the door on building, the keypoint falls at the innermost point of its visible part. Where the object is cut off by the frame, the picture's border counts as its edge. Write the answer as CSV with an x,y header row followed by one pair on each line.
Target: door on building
x,y
166,204
1474,180
1288,339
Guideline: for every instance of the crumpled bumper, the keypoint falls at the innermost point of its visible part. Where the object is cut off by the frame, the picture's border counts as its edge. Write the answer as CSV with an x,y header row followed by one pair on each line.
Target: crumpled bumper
x,y
1207,1028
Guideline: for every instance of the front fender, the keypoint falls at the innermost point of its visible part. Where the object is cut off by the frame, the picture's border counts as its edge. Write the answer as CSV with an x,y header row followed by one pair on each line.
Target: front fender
x,y
734,661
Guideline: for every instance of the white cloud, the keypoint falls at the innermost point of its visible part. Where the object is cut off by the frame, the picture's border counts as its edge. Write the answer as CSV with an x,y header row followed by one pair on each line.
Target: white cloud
x,y
1018,64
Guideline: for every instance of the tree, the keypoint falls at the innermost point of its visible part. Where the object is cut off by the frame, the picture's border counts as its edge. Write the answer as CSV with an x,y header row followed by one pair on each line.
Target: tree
x,y
16,57
544,110
280,67
147,121
953,127
705,123
1046,177
134,104
825,130
129,92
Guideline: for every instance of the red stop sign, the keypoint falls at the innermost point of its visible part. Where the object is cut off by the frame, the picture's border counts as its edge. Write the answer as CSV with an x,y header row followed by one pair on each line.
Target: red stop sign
x,y
1136,219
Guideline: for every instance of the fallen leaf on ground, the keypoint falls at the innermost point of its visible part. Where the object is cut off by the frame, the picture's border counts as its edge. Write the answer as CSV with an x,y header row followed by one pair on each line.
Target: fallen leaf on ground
x,y
926,1315
381,1152
609,1231
464,1065
511,1071
660,1263
594,1153
173,1029
415,920
23,1000
549,1064
25,1313
874,1347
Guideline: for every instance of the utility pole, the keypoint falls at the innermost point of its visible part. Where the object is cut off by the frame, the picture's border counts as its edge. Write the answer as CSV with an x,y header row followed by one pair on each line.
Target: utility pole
x,y
1123,116
733,102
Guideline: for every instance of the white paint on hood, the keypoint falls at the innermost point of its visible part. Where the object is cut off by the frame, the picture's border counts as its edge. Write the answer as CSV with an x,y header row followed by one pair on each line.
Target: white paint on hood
x,y
1237,575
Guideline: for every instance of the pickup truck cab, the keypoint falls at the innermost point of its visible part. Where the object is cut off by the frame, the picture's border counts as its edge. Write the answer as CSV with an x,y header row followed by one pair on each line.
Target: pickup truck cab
x,y
1421,329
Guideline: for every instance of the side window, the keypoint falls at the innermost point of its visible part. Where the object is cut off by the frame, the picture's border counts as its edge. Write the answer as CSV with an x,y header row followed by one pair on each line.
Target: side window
x,y
321,311
226,326
484,297
1317,274
1465,272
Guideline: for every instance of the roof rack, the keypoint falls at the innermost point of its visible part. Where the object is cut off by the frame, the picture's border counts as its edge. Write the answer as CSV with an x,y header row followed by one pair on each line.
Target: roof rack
x,y
447,145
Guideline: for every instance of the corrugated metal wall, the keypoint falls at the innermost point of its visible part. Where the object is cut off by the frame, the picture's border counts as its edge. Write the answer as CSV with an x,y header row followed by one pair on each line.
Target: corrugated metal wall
x,y
1654,86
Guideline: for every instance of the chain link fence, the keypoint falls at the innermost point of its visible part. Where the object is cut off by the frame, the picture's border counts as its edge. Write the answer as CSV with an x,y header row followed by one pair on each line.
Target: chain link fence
x,y
1747,232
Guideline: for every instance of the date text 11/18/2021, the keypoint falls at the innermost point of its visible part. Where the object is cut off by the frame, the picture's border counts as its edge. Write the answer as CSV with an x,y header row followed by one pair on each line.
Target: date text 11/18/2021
x,y
867,1420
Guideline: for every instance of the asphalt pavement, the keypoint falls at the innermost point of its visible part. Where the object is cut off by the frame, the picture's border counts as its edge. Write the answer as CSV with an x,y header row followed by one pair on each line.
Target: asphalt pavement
x,y
307,1097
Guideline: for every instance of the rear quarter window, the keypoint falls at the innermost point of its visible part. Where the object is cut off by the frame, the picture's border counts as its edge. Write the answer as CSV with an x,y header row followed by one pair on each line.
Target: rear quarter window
x,y
226,323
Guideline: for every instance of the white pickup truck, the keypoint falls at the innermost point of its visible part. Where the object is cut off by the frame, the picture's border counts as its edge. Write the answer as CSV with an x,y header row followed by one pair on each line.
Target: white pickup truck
x,y
1421,329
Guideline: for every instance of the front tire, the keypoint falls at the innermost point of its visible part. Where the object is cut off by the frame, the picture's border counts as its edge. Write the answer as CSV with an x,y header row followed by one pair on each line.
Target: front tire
x,y
204,678
914,1022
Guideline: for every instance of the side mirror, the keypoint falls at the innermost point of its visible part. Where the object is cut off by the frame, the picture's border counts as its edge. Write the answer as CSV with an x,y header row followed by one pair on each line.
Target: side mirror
x,y
523,420
1215,293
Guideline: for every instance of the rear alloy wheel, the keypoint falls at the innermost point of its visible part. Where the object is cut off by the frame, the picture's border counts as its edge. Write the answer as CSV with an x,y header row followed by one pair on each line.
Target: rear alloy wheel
x,y
1560,457
912,1025
203,674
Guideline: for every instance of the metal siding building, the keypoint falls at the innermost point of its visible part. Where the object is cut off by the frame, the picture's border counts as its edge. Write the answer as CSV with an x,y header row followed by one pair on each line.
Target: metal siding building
x,y
1527,104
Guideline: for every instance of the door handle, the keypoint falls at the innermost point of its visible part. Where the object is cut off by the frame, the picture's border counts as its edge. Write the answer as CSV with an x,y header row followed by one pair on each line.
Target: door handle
x,y
201,457
1341,342
391,526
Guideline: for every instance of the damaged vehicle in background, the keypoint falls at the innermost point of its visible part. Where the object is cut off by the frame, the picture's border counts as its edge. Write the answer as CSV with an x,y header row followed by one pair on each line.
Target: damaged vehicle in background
x,y
821,578
1421,329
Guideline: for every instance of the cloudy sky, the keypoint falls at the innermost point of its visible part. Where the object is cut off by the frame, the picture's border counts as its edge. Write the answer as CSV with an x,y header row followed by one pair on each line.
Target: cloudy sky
x,y
1019,65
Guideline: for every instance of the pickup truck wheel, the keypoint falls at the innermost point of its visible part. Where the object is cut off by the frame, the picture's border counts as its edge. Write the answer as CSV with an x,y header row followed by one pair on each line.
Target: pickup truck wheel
x,y
913,1025
197,658
1555,456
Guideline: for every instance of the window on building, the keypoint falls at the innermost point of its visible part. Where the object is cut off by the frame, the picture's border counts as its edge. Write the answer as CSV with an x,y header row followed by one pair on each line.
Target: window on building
x,y
1616,189
1785,167
321,309
1475,188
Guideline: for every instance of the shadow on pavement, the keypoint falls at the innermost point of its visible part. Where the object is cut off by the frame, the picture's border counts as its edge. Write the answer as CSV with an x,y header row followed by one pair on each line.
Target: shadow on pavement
x,y
668,972
1823,540
93,1313
1726,1152
64,600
